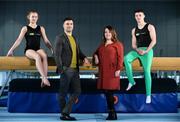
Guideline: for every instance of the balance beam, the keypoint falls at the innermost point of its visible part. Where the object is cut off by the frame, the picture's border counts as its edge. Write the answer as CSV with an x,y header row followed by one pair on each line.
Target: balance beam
x,y
23,63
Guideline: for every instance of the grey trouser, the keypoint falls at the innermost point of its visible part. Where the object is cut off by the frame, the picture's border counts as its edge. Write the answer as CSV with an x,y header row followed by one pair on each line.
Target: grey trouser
x,y
69,84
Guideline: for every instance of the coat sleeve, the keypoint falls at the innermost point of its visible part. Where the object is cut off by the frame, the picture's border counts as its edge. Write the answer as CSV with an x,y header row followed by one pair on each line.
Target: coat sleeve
x,y
57,53
120,56
81,54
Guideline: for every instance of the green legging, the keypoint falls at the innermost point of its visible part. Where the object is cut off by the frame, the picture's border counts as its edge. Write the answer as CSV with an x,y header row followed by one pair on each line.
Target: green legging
x,y
146,61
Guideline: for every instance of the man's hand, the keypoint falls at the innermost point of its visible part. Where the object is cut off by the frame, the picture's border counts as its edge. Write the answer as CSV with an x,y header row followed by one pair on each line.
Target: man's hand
x,y
86,62
141,52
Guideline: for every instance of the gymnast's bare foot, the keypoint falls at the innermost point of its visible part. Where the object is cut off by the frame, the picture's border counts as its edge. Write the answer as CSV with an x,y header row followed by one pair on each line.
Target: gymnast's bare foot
x,y
42,84
148,99
45,82
130,86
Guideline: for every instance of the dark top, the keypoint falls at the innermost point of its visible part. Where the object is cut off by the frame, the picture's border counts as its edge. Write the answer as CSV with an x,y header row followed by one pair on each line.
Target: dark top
x,y
33,37
63,52
142,36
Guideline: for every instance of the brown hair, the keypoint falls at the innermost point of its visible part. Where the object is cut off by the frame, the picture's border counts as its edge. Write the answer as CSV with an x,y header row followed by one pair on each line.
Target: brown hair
x,y
31,11
112,31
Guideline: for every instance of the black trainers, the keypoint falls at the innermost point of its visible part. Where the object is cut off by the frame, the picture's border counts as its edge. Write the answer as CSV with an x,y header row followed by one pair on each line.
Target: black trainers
x,y
67,117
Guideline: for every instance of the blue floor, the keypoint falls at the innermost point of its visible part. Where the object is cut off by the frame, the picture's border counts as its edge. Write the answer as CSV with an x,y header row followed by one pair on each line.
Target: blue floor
x,y
94,117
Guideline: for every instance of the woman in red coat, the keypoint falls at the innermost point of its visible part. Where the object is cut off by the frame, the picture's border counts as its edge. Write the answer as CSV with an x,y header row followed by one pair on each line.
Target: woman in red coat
x,y
109,57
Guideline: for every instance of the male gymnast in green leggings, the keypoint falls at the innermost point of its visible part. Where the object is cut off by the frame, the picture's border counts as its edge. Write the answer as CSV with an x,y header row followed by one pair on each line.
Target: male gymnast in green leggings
x,y
143,41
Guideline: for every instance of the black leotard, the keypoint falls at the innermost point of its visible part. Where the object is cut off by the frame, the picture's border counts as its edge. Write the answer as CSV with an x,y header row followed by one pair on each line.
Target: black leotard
x,y
33,37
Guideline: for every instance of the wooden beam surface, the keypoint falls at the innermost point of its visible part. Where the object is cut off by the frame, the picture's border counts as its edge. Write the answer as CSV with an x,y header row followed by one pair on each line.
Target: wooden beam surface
x,y
23,63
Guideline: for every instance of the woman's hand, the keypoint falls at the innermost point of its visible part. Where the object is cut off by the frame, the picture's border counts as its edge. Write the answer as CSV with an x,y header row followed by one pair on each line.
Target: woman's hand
x,y
86,62
52,51
117,73
10,53
96,59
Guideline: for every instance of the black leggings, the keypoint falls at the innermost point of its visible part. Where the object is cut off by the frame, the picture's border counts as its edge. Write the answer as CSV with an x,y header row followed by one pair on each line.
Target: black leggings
x,y
109,99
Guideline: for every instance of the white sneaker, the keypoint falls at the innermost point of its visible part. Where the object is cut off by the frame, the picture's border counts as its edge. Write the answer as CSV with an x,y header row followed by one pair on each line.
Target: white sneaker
x,y
129,86
148,99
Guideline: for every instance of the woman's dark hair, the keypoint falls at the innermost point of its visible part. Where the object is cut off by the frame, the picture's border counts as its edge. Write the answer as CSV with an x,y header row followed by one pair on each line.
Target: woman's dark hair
x,y
112,31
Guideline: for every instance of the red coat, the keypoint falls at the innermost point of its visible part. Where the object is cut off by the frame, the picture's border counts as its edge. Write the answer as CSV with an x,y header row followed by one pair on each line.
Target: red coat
x,y
110,60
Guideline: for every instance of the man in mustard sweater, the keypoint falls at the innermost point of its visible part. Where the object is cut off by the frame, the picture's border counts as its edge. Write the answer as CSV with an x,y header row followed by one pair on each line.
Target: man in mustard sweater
x,y
67,55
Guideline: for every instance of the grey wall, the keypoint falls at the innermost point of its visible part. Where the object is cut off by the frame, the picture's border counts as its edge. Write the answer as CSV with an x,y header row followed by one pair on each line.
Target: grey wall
x,y
90,18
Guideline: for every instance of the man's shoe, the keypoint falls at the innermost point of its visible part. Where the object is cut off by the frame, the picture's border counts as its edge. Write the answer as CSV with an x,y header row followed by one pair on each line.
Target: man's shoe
x,y
67,117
